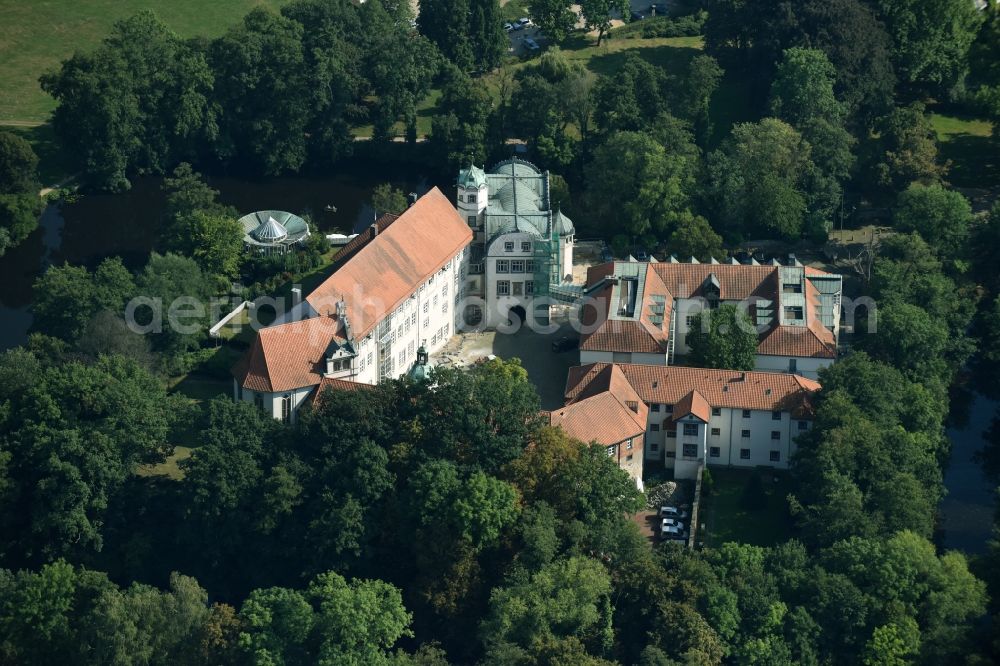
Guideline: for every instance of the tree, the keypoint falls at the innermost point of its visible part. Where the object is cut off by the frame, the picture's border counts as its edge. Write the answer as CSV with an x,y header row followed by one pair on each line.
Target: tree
x,y
758,179
910,339
186,193
906,149
696,88
265,132
388,199
446,24
179,293
930,41
553,17
139,103
723,338
19,214
401,67
941,217
636,186
803,88
693,237
565,598
459,131
597,14
75,433
488,39
18,165
68,297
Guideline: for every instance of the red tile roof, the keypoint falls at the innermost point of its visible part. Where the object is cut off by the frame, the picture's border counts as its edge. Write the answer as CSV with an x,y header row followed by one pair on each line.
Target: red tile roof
x,y
288,356
362,239
386,270
641,334
693,404
605,415
337,385
768,391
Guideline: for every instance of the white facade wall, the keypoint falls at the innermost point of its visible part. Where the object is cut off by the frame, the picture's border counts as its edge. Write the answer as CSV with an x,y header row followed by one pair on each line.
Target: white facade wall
x,y
805,366
505,287
622,357
272,403
723,438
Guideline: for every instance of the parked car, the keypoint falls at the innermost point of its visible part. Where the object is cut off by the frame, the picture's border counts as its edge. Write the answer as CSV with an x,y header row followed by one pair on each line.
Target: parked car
x,y
671,532
517,25
671,522
565,343
508,27
531,44
672,512
525,22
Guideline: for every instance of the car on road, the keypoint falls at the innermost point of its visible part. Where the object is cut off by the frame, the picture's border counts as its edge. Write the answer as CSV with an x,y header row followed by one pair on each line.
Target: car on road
x,y
668,511
508,27
565,343
531,44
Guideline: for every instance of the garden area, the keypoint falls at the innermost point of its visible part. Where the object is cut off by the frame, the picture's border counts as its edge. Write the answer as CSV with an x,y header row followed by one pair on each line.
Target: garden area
x,y
747,506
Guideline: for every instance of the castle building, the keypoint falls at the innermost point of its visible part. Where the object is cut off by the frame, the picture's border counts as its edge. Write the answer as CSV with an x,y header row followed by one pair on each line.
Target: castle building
x,y
522,249
395,292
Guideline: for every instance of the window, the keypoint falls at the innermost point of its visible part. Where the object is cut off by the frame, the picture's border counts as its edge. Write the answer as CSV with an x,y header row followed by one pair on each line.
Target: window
x,y
628,445
746,413
775,416
361,365
744,454
671,454
745,434
716,432
671,431
286,408
654,427
690,429
713,452
669,409
655,407
803,425
529,266
444,307
633,405
473,219
793,365
370,358
460,199
526,246
628,458
654,447
517,266
529,287
258,401
793,312
473,198
688,320
427,322
508,247
427,307
503,266
518,288
775,435
792,288
716,411
611,450
690,450
402,358
503,288
775,456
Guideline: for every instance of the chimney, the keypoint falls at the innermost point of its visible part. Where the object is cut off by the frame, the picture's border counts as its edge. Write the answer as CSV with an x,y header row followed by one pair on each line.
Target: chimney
x,y
743,377
374,229
296,295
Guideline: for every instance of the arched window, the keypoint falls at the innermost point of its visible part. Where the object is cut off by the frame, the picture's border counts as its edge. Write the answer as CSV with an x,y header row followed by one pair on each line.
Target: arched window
x,y
286,408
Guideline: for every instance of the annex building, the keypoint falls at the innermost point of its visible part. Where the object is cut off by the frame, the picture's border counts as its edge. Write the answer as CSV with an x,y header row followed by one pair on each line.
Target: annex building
x,y
636,312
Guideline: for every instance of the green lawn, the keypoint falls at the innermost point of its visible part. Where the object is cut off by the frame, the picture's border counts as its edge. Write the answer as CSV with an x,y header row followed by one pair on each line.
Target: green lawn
x,y
969,145
38,34
168,468
727,518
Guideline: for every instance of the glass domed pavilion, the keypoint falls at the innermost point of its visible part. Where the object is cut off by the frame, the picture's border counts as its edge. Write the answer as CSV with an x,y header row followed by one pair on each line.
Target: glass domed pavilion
x,y
273,231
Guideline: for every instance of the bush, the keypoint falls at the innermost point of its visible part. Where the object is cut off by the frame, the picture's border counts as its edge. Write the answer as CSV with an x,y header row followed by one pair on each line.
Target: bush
x,y
662,26
707,482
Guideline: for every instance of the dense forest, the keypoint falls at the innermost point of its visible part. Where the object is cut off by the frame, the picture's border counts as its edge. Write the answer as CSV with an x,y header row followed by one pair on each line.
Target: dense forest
x,y
441,522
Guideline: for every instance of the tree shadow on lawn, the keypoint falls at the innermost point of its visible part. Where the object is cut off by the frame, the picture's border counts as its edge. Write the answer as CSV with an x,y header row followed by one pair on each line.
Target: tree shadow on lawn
x,y
975,160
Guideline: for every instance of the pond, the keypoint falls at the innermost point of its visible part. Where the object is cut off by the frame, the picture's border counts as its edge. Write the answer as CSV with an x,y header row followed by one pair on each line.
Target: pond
x,y
967,510
102,225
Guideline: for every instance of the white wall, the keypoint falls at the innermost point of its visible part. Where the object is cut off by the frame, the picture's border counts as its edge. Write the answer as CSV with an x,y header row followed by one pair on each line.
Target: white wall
x,y
805,366
499,305
272,401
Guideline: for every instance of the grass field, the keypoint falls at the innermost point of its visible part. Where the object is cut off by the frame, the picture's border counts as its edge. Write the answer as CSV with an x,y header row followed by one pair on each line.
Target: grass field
x,y
727,517
969,145
38,34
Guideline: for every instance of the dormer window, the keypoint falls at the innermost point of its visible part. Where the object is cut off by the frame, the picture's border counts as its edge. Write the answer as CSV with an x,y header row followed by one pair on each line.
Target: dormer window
x,y
472,198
